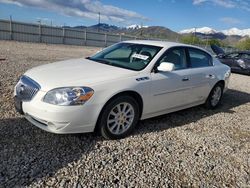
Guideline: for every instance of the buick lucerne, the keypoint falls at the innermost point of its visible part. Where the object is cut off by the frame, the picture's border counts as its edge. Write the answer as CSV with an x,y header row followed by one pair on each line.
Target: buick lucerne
x,y
112,90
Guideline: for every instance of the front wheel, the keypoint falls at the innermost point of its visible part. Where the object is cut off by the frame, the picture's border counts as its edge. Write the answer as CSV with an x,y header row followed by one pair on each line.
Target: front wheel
x,y
215,96
119,118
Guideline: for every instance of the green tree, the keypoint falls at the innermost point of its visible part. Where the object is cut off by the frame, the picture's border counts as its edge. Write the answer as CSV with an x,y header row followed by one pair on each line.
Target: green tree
x,y
190,39
215,42
244,45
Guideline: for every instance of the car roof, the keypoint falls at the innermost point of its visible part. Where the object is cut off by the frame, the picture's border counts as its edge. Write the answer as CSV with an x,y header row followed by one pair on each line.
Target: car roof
x,y
164,44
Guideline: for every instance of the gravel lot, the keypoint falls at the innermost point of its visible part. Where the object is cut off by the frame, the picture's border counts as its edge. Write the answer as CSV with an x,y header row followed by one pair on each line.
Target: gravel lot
x,y
190,148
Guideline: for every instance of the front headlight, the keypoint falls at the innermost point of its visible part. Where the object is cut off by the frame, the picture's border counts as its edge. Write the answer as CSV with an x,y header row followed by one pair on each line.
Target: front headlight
x,y
227,74
68,96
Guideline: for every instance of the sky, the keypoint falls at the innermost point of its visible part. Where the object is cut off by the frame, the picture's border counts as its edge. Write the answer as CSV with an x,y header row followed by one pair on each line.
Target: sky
x,y
174,14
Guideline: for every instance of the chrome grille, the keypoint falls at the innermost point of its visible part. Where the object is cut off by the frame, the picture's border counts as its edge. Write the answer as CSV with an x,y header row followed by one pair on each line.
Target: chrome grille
x,y
26,88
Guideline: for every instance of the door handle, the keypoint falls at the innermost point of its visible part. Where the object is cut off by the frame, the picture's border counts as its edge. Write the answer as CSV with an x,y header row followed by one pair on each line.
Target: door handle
x,y
185,79
211,76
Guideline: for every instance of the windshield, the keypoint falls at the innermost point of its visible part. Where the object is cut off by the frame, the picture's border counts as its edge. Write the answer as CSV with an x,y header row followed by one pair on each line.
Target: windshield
x,y
127,55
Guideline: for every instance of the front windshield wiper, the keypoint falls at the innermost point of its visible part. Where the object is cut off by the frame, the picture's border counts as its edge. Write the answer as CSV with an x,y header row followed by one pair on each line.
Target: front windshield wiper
x,y
104,61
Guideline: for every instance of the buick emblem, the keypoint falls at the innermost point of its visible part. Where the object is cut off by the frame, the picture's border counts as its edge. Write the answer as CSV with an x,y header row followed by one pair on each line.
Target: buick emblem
x,y
21,89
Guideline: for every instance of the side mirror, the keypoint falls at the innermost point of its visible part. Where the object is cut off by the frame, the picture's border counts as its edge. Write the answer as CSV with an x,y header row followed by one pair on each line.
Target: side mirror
x,y
165,67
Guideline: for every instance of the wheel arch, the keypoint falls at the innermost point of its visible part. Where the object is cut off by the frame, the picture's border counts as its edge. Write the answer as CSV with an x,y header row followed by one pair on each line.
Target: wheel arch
x,y
131,93
220,82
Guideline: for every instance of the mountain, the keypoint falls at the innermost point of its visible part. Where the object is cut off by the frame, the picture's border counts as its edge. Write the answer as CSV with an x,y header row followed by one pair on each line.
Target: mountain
x,y
237,32
203,30
157,32
134,30
210,31
103,27
230,36
135,26
204,33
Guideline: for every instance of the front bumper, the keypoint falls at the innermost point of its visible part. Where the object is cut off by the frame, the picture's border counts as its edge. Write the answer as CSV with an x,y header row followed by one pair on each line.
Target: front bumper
x,y
61,119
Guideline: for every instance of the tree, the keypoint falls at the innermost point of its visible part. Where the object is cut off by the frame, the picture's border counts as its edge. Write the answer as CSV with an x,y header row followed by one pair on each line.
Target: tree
x,y
244,45
215,42
190,39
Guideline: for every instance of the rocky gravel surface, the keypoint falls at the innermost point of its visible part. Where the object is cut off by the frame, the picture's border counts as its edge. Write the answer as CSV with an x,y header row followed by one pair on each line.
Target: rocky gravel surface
x,y
191,148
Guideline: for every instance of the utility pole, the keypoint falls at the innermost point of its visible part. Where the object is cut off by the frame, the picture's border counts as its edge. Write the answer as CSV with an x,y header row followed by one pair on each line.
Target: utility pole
x,y
194,34
99,21
141,28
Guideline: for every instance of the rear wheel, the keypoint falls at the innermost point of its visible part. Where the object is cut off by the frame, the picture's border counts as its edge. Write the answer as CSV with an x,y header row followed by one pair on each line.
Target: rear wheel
x,y
119,117
215,96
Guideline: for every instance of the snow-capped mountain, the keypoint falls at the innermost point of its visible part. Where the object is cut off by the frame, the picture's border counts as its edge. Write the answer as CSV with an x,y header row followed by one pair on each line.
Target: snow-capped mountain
x,y
204,30
236,31
135,26
208,30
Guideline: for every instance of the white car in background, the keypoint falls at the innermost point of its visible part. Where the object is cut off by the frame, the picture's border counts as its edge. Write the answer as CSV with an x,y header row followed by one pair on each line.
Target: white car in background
x,y
114,89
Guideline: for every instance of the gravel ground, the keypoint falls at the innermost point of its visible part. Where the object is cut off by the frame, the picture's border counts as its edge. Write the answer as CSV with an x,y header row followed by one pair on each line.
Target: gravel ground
x,y
191,148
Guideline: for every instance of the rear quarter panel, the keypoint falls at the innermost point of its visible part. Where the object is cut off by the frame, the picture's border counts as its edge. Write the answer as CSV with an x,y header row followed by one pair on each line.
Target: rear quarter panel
x,y
222,72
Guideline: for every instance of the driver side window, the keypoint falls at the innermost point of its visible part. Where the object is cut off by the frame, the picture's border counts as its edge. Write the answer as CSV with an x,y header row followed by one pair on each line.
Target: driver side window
x,y
177,56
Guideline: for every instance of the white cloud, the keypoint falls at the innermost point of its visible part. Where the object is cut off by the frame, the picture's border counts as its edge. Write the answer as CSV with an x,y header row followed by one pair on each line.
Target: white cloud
x,y
241,4
82,8
230,21
197,2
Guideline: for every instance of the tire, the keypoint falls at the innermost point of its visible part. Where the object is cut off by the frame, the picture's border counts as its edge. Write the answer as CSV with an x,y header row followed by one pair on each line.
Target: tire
x,y
215,96
118,118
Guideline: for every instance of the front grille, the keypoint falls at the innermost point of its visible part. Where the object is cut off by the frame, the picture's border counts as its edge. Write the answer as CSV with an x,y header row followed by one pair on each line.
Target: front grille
x,y
26,88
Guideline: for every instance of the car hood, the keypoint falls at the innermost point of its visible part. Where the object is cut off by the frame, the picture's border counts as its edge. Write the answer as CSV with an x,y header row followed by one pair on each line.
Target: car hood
x,y
76,72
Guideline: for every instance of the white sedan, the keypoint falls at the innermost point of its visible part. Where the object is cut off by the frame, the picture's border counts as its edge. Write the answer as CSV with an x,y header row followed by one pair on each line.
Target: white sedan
x,y
114,89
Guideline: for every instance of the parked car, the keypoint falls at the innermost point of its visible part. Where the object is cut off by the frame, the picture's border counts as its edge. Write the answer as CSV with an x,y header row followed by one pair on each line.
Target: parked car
x,y
114,89
239,61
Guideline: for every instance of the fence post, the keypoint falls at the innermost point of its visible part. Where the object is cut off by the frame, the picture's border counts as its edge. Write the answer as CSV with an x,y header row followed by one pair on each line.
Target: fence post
x,y
120,37
40,32
135,37
85,37
11,32
105,39
63,35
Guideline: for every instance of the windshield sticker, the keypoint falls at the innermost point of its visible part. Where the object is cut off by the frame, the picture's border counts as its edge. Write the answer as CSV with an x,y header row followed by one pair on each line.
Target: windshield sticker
x,y
140,56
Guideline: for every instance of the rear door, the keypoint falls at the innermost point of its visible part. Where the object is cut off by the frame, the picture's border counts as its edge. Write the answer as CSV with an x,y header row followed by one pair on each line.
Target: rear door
x,y
202,74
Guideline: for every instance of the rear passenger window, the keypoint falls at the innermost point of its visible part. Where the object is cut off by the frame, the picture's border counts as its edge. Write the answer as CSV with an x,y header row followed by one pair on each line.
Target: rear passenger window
x,y
198,58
